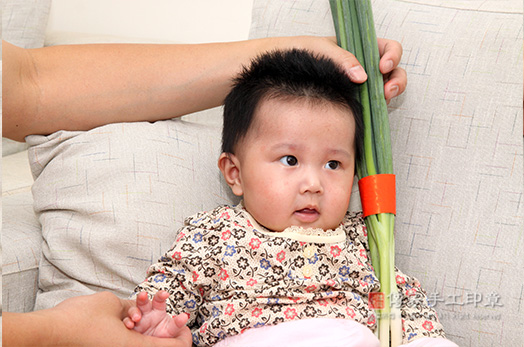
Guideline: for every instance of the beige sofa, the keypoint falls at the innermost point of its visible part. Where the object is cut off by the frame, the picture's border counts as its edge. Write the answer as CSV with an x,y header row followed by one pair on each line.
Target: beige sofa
x,y
105,203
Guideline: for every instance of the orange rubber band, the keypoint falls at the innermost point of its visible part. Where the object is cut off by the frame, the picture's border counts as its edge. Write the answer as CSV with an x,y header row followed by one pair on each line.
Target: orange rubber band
x,y
377,194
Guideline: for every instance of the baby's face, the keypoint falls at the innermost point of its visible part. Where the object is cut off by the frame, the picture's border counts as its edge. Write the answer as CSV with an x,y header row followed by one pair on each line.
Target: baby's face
x,y
297,164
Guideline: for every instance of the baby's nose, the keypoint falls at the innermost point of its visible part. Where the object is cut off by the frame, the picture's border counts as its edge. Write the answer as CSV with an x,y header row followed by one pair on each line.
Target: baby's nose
x,y
311,183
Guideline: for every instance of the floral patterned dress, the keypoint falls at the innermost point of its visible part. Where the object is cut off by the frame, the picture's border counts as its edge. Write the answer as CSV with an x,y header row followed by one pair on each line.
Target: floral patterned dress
x,y
230,274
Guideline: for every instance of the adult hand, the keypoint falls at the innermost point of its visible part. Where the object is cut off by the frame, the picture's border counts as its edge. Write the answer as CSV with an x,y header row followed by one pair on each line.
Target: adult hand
x,y
395,77
91,320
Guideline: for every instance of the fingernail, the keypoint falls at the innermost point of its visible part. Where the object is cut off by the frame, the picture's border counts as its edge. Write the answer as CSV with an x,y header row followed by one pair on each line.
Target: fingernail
x,y
393,91
357,73
388,65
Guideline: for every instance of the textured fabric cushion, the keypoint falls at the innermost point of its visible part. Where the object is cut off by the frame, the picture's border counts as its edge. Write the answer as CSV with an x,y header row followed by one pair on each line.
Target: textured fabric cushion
x,y
23,24
111,199
21,235
457,147
11,147
22,244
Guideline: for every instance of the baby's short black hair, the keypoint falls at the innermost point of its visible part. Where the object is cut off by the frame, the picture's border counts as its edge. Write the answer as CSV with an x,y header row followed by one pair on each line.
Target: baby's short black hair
x,y
287,74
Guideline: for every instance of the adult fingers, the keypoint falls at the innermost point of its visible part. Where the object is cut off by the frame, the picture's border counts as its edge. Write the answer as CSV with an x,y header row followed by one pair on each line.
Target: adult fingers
x,y
395,84
390,54
346,60
395,77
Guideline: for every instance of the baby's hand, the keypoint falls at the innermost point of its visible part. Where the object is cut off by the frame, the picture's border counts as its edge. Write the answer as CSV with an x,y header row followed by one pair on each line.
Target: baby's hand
x,y
150,317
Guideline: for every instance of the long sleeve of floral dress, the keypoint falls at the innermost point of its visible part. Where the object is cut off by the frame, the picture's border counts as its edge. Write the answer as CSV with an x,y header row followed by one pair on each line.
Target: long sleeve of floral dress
x,y
419,319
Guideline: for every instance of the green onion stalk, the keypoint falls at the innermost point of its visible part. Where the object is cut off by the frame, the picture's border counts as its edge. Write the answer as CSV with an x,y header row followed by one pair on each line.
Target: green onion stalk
x,y
355,29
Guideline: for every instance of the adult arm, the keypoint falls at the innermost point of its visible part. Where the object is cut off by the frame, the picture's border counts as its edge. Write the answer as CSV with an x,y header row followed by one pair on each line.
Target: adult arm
x,y
92,320
79,87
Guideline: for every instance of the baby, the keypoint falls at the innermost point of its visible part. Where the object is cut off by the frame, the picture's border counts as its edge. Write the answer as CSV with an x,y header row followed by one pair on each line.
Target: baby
x,y
288,265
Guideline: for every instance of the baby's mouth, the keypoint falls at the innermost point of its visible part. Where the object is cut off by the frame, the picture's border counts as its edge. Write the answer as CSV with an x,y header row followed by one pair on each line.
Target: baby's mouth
x,y
307,215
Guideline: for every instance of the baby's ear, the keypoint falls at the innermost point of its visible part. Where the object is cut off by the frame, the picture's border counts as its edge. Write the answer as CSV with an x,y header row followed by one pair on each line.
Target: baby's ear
x,y
229,166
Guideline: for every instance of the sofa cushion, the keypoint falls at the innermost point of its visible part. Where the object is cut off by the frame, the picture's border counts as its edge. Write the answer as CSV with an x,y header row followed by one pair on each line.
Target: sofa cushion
x,y
457,152
110,200
23,24
21,235
21,251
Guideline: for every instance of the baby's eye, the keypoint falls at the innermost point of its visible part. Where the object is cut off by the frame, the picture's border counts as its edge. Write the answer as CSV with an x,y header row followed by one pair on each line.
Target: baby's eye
x,y
289,160
332,165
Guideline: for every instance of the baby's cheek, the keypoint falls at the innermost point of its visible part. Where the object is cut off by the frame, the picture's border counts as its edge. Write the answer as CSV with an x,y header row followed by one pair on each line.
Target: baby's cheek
x,y
276,190
340,202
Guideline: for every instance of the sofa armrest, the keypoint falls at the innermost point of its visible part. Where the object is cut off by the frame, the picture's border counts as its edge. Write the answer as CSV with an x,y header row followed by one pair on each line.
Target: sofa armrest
x,y
21,236
22,249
